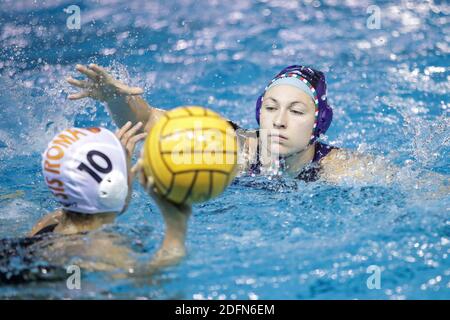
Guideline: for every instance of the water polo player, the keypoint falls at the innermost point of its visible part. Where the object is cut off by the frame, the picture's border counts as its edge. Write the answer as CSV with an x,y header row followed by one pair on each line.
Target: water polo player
x,y
292,112
87,170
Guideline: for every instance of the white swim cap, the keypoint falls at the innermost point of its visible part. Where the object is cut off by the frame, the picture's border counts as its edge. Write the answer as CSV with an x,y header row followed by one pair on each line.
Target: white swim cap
x,y
86,169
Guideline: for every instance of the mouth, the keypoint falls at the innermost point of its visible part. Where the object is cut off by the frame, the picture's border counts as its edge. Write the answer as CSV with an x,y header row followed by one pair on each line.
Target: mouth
x,y
279,137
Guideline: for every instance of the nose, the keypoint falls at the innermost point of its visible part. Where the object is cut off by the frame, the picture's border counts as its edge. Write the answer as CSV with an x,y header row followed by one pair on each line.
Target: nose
x,y
279,121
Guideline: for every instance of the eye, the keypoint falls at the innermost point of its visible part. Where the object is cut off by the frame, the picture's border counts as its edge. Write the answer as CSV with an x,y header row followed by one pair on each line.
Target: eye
x,y
297,112
269,108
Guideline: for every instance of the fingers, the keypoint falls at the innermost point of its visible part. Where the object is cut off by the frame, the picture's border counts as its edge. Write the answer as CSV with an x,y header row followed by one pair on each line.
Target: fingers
x,y
132,142
83,84
89,73
99,70
101,77
131,132
128,137
79,95
138,137
121,131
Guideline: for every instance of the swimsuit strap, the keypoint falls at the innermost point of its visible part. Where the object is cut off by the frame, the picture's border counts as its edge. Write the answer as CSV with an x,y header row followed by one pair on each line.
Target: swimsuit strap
x,y
311,172
321,150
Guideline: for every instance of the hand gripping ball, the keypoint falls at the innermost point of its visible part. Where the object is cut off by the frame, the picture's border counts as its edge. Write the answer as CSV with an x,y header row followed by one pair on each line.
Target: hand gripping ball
x,y
191,153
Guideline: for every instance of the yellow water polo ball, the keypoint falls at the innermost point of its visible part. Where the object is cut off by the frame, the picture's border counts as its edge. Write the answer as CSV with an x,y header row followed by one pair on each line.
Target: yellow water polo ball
x,y
191,153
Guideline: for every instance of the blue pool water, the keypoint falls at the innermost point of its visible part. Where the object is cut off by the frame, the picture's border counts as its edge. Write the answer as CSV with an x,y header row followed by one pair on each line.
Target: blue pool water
x,y
261,239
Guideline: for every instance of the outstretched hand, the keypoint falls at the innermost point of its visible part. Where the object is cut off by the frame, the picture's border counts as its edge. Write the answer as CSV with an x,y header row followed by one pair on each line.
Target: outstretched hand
x,y
100,85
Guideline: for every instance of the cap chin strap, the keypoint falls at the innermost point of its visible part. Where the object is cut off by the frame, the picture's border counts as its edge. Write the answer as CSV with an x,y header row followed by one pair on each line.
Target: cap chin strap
x,y
113,191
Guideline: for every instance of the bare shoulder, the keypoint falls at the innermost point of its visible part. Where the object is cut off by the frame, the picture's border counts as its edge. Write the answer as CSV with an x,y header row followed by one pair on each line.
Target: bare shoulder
x,y
342,164
340,156
48,220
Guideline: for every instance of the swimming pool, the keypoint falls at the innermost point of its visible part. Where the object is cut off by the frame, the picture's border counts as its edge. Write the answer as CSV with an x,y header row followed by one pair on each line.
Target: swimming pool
x,y
261,239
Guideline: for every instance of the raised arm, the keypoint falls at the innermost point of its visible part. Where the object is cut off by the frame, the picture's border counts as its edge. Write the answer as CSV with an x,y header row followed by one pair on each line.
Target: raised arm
x,y
123,102
173,247
176,217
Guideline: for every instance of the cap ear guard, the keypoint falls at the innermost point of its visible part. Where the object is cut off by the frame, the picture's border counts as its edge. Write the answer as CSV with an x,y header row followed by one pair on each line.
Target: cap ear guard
x,y
324,121
325,112
113,191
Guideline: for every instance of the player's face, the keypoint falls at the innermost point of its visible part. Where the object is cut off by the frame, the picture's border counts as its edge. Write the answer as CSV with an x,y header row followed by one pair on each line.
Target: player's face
x,y
287,120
